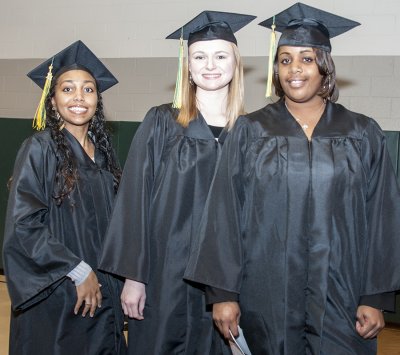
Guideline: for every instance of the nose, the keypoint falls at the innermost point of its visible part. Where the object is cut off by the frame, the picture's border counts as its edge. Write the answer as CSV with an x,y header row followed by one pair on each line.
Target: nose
x,y
210,64
78,96
296,67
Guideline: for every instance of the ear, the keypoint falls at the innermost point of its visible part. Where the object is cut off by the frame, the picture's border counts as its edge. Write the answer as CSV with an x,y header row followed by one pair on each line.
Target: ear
x,y
53,102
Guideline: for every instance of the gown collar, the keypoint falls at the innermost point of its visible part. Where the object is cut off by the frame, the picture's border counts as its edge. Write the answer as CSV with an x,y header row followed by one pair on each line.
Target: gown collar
x,y
81,157
199,129
296,129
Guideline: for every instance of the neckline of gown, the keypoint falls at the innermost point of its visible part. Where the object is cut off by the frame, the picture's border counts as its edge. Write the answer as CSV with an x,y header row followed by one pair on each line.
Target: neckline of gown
x,y
81,156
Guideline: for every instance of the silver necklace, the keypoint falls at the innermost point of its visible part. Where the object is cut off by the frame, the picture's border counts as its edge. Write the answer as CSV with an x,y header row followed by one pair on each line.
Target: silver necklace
x,y
302,124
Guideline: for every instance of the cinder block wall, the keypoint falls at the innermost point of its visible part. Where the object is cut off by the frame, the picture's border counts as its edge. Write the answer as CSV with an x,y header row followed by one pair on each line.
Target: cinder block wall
x,y
368,84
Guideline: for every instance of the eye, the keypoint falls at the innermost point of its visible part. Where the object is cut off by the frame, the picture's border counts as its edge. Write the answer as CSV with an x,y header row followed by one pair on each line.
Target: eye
x,y
67,89
221,56
285,60
199,57
88,90
308,59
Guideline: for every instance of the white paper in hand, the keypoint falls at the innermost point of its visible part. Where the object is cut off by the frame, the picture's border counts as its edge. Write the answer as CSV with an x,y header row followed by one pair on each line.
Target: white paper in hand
x,y
239,343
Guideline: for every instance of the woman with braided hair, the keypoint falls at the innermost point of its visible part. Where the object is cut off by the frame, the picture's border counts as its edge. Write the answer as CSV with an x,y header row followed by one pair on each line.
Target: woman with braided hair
x,y
64,181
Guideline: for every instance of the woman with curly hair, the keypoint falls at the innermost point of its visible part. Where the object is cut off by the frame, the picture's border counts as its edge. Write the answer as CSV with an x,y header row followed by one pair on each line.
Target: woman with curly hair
x,y
64,181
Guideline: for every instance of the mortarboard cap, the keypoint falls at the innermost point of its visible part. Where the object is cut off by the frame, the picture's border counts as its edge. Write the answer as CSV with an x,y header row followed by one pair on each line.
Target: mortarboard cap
x,y
306,26
210,25
77,53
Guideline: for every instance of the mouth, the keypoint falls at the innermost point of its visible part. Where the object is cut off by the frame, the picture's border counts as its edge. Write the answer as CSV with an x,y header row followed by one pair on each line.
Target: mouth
x,y
78,109
211,76
296,83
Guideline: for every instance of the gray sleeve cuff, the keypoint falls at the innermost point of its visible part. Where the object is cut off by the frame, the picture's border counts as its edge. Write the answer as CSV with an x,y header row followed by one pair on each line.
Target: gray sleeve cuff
x,y
80,273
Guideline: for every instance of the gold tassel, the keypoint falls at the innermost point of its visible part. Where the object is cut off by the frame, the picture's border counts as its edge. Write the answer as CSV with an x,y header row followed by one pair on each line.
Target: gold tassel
x,y
39,121
271,57
177,103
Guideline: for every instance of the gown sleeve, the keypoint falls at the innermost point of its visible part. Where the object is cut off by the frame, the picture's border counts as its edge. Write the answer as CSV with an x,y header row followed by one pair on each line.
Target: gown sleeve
x,y
382,269
126,250
216,258
383,301
35,261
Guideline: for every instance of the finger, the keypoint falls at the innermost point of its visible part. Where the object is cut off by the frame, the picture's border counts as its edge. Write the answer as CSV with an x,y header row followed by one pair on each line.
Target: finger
x,y
131,310
99,298
135,311
86,308
220,327
358,327
125,309
141,305
78,305
370,335
374,331
234,329
93,307
226,333
361,319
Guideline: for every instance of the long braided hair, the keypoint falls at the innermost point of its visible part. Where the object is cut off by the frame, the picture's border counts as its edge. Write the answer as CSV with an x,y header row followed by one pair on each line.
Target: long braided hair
x,y
66,170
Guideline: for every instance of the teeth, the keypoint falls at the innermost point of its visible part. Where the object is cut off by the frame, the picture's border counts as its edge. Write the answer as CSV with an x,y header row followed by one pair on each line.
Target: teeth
x,y
78,109
211,76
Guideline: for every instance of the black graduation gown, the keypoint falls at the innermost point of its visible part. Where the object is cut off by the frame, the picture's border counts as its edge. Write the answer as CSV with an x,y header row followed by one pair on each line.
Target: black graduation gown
x,y
161,197
301,230
44,242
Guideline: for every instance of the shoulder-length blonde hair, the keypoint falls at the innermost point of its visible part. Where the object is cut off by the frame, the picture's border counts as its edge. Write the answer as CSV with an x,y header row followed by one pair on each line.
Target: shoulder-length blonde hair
x,y
235,102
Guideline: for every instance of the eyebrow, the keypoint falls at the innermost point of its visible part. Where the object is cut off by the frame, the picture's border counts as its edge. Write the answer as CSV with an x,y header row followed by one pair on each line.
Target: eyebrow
x,y
203,52
72,81
301,52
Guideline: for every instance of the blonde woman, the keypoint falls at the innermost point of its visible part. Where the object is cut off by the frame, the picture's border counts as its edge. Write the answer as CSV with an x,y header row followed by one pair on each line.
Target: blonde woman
x,y
163,190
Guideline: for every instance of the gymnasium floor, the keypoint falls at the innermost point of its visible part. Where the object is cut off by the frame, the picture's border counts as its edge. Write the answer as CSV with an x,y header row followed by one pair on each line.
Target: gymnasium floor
x,y
388,343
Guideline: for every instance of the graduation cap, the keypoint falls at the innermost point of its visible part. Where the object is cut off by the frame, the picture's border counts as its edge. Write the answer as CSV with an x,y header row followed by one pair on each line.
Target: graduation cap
x,y
304,26
75,54
207,26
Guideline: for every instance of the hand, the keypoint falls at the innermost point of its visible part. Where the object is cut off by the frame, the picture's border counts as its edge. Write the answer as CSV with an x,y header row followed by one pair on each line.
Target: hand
x,y
133,298
369,322
89,292
226,317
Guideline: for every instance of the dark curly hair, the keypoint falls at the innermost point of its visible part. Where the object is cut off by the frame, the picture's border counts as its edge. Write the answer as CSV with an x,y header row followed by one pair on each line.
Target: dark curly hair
x,y
66,170
326,67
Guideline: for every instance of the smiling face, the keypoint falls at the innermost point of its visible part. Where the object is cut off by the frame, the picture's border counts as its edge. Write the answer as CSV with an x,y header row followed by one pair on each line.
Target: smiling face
x,y
298,73
75,98
212,64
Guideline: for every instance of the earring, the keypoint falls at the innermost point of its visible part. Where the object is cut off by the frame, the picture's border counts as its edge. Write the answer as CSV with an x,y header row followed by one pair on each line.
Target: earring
x,y
91,124
190,79
61,123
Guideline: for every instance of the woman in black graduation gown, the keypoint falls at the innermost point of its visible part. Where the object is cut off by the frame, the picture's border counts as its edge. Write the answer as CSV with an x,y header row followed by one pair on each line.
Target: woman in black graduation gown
x,y
163,190
64,181
301,228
